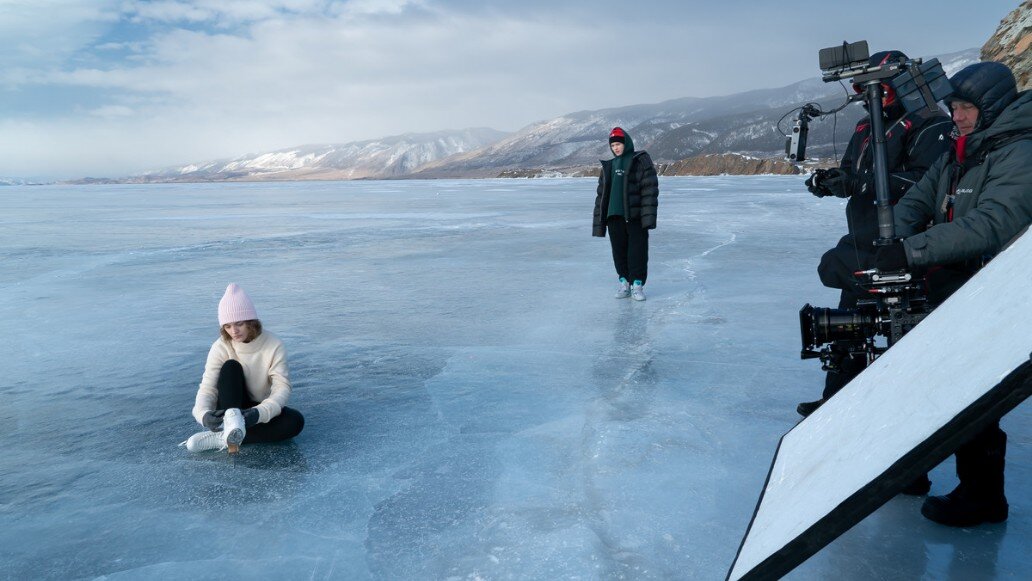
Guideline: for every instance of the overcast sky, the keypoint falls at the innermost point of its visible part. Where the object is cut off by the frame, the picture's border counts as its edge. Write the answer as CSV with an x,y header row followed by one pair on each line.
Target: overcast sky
x,y
114,87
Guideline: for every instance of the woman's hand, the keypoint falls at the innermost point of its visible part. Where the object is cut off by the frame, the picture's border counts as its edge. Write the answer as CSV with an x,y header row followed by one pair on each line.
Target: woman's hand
x,y
250,417
213,420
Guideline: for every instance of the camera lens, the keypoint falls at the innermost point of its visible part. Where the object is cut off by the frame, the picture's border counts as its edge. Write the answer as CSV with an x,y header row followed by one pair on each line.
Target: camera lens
x,y
819,326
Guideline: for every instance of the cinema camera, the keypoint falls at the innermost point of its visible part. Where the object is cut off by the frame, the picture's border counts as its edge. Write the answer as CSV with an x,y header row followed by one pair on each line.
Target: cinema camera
x,y
897,304
897,299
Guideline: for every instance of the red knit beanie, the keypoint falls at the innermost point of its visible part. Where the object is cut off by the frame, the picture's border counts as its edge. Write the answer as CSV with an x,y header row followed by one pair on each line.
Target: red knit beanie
x,y
617,134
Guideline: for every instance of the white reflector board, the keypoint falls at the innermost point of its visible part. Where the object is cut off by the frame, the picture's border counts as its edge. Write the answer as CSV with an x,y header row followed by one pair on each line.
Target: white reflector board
x,y
965,365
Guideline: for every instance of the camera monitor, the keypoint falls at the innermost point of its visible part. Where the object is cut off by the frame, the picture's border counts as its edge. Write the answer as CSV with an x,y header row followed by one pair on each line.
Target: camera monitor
x,y
921,86
846,55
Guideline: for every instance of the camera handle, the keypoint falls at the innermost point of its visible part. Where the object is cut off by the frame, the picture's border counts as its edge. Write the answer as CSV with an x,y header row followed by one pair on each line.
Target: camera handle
x,y
886,227
795,144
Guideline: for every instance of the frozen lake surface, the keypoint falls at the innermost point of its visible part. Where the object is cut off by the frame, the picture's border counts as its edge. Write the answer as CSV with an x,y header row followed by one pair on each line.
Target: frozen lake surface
x,y
478,405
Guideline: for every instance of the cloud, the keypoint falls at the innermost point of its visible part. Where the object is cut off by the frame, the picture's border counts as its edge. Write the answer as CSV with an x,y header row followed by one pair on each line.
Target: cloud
x,y
226,13
111,111
216,78
367,72
45,33
379,6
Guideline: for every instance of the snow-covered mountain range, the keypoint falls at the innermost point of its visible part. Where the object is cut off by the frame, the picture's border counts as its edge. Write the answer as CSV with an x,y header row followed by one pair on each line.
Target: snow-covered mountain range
x,y
380,158
16,182
745,123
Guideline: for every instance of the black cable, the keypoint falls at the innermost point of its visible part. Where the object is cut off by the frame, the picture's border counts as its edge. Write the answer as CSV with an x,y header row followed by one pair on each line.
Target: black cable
x,y
783,134
834,124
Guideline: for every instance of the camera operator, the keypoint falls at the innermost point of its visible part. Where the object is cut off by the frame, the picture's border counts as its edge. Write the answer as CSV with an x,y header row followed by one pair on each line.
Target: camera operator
x,y
913,142
978,198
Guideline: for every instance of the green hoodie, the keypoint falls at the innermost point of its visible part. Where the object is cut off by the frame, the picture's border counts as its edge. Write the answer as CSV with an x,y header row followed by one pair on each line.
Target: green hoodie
x,y
619,177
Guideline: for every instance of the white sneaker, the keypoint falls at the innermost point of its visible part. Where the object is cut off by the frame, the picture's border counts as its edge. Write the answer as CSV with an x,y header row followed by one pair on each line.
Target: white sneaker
x,y
625,289
206,440
638,291
234,430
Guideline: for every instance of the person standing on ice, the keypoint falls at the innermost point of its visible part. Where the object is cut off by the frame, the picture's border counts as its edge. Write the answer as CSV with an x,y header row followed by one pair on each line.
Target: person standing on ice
x,y
625,206
244,390
913,141
978,198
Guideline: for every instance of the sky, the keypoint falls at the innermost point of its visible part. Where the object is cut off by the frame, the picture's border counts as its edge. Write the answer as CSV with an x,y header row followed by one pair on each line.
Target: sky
x,y
108,88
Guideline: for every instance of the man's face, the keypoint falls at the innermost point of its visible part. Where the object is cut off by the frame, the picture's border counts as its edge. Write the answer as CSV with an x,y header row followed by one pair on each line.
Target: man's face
x,y
617,148
965,115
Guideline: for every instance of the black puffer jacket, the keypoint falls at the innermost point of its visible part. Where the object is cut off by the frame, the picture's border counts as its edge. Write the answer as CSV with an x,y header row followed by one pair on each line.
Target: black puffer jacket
x,y
913,142
977,202
641,193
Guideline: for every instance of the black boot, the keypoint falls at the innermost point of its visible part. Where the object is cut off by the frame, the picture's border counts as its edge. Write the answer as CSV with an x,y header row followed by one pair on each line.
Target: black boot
x,y
808,407
919,487
963,508
979,498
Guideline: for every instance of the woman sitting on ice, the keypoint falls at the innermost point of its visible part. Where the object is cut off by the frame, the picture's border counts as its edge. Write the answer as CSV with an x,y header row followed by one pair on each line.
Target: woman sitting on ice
x,y
244,390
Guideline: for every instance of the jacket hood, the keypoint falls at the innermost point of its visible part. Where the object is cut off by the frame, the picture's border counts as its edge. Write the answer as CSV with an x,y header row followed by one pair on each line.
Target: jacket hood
x,y
989,86
628,145
1016,118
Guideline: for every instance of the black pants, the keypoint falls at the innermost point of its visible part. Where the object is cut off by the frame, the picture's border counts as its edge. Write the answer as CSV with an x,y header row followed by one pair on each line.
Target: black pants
x,y
630,244
980,462
233,394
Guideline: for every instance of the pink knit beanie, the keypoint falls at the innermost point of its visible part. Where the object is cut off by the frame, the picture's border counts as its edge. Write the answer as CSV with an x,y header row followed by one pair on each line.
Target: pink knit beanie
x,y
236,306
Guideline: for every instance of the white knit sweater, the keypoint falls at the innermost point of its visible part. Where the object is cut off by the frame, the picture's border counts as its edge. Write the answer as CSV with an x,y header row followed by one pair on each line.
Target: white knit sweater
x,y
265,370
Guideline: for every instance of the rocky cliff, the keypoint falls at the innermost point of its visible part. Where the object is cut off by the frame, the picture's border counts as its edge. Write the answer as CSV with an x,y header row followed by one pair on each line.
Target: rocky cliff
x,y
1012,44
727,163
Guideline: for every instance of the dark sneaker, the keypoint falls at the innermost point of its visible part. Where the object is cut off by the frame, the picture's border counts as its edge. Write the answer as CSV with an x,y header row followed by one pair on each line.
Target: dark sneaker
x,y
808,407
962,509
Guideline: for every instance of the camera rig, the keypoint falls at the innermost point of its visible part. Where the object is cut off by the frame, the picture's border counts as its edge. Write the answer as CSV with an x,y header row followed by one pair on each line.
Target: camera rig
x,y
897,304
897,301
918,84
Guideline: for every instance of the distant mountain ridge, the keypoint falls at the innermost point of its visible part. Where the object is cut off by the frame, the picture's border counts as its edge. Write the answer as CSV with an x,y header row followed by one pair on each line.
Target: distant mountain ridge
x,y
17,182
671,131
388,157
744,123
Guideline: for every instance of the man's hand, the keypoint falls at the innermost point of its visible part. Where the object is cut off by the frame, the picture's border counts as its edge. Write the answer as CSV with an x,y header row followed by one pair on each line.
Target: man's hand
x,y
837,182
813,183
891,257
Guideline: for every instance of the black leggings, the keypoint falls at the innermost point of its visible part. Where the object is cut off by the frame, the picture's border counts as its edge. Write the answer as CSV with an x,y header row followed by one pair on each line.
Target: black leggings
x,y
233,394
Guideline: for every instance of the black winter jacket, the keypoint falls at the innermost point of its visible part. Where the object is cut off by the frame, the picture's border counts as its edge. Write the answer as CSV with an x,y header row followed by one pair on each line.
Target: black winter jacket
x,y
976,207
641,193
913,142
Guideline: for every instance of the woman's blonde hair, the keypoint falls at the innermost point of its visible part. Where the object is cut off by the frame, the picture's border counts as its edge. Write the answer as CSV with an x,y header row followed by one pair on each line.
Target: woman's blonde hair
x,y
254,328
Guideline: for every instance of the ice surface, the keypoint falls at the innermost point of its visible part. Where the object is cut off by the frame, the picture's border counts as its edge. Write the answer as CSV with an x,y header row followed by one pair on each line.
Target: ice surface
x,y
477,405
